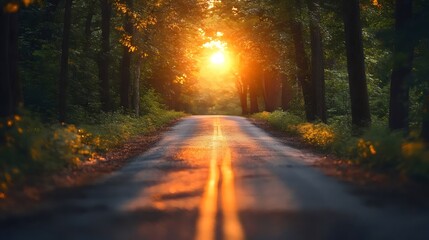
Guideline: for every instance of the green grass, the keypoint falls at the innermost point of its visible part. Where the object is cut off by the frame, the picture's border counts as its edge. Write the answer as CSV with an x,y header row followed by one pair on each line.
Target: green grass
x,y
30,148
377,148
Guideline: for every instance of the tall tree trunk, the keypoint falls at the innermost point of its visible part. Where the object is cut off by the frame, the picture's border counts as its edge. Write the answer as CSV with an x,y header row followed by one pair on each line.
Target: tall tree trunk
x,y
242,93
355,65
253,95
402,67
46,28
271,87
253,75
88,23
136,94
104,55
6,98
302,63
425,122
126,62
317,60
286,92
62,106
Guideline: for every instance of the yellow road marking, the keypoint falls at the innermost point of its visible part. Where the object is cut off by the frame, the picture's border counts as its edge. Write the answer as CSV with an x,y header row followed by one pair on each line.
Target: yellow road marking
x,y
207,220
232,229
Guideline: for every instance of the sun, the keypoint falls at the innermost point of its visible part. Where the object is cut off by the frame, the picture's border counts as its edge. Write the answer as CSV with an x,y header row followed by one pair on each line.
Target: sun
x,y
218,58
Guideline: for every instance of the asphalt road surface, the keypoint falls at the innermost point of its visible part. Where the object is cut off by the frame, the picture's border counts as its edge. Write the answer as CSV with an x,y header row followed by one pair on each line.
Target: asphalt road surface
x,y
217,177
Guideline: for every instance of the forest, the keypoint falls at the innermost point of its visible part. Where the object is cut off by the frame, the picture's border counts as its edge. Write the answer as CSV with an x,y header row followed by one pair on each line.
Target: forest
x,y
79,77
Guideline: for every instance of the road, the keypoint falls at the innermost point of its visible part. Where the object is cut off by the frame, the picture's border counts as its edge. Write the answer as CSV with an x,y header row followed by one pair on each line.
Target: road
x,y
217,177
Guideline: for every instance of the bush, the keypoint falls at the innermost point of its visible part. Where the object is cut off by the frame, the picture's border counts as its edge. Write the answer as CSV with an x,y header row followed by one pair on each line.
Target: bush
x,y
29,147
151,102
382,149
284,121
377,148
319,134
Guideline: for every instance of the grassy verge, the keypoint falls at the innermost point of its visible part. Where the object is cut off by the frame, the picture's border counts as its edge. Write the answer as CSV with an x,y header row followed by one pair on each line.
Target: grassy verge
x,y
31,148
377,148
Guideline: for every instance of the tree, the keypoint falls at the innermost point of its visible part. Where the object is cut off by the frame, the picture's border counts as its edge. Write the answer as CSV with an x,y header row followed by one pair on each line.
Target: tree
x,y
425,124
317,60
253,94
104,55
10,91
355,64
286,92
402,66
271,87
301,61
125,84
242,90
63,81
88,22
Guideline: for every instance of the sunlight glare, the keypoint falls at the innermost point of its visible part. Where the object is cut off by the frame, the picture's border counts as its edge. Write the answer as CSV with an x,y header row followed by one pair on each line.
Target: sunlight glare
x,y
217,58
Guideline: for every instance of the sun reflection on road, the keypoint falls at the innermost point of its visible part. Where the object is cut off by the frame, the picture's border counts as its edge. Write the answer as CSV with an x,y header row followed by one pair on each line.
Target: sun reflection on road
x,y
196,175
221,155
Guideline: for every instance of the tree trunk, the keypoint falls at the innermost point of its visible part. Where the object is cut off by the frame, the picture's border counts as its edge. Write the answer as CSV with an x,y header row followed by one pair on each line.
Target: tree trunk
x,y
425,122
46,28
88,23
104,55
6,98
317,60
62,106
126,62
355,65
136,94
402,67
302,63
253,95
242,93
286,92
253,77
271,88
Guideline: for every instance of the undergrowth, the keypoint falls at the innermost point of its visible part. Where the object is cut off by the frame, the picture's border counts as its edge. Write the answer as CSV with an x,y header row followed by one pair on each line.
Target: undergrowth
x,y
377,148
30,148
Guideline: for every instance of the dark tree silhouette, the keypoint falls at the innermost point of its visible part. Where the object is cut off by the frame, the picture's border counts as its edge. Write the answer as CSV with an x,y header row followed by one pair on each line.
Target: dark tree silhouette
x,y
64,68
10,92
425,124
402,66
286,92
104,55
355,64
301,61
125,88
317,60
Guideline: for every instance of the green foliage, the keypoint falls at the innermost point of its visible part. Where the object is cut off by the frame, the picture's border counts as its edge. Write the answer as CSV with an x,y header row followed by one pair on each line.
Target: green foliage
x,y
32,148
378,148
382,149
285,121
151,102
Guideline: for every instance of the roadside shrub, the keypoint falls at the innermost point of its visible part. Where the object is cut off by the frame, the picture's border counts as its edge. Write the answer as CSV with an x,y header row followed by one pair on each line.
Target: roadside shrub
x,y
318,134
28,147
381,149
377,148
261,115
284,121
416,160
151,102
